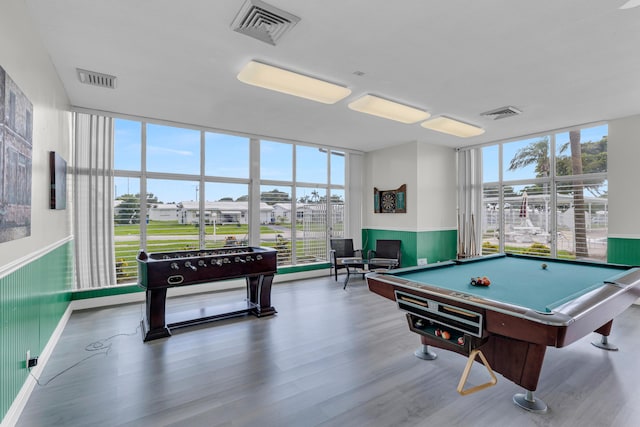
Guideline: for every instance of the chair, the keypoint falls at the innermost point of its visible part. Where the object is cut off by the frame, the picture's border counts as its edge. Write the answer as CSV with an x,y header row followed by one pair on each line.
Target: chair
x,y
388,249
340,249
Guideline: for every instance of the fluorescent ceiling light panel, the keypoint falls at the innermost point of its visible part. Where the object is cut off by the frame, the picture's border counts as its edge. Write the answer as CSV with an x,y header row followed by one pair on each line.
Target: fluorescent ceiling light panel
x,y
452,127
384,108
630,4
274,78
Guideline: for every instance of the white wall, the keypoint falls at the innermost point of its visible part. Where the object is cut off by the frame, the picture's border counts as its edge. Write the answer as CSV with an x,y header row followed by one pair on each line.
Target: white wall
x,y
430,174
623,155
27,63
436,188
388,169
354,195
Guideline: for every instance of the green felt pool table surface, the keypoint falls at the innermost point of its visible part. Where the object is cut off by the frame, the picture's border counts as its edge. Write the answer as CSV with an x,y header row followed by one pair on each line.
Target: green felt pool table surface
x,y
519,281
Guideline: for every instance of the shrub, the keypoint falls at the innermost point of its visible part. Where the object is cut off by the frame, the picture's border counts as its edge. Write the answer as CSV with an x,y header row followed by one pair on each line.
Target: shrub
x,y
537,249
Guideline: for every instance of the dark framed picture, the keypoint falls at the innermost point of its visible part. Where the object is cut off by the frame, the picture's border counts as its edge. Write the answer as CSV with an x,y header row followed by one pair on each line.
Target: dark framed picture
x,y
58,174
390,201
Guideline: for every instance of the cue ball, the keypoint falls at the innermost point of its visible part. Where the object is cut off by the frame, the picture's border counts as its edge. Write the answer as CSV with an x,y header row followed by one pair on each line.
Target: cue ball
x,y
544,266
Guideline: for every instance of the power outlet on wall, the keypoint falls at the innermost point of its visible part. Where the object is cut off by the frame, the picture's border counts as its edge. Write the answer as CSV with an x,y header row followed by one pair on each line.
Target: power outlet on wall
x,y
29,361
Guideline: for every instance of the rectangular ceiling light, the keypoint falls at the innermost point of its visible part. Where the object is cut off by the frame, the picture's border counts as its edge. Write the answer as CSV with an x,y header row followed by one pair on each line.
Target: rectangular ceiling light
x,y
452,127
274,78
384,108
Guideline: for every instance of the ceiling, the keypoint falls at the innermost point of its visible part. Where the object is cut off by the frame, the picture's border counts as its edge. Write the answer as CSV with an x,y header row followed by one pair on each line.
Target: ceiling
x,y
562,63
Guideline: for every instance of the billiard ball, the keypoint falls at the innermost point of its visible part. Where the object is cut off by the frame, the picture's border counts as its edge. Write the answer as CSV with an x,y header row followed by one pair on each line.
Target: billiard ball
x,y
480,281
438,332
446,335
461,340
544,266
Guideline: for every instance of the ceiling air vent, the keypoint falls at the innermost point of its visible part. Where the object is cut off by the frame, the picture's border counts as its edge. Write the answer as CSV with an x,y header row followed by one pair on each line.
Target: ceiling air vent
x,y
502,113
96,79
262,21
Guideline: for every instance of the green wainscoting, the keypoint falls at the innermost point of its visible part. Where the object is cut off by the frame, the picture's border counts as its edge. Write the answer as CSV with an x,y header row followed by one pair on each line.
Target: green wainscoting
x,y
623,251
433,245
33,299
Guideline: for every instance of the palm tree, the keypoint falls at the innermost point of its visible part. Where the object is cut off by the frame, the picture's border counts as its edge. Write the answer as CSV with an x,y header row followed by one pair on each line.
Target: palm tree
x,y
582,250
538,153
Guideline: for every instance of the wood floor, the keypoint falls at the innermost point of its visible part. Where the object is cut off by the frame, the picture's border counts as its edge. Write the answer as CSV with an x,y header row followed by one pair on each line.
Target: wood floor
x,y
328,358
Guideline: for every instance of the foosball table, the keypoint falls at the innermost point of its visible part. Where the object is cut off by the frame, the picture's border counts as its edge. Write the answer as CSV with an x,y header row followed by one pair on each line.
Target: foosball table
x,y
162,270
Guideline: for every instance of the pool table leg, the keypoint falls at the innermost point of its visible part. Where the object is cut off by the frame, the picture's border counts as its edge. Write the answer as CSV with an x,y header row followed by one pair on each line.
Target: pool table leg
x,y
529,402
424,353
604,344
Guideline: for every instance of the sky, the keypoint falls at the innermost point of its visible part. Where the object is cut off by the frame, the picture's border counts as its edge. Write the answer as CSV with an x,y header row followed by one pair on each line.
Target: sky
x,y
177,151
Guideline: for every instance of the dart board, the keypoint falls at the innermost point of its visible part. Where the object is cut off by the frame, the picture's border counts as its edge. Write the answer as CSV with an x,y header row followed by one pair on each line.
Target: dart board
x,y
390,201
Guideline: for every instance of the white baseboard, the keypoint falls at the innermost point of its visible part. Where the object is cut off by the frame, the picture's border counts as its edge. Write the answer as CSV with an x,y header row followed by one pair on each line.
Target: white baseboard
x,y
13,414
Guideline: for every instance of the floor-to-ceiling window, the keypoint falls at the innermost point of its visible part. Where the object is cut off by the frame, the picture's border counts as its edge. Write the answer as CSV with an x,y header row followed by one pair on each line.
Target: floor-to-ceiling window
x,y
547,195
179,188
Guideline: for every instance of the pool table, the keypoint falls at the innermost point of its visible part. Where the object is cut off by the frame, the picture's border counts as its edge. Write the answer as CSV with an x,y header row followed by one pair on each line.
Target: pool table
x,y
531,303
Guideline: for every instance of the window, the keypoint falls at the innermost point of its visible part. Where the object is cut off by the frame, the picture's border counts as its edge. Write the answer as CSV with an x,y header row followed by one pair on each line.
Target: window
x,y
192,204
277,230
172,149
526,159
311,164
127,145
490,164
226,218
226,155
126,221
276,161
172,215
337,168
12,112
540,209
336,213
311,224
589,145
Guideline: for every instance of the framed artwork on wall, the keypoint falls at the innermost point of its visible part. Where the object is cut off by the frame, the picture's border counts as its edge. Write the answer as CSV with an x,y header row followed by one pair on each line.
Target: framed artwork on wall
x,y
16,146
390,201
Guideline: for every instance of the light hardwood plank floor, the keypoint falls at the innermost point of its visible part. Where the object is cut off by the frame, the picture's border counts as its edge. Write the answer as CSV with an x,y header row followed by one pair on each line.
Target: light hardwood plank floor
x,y
328,358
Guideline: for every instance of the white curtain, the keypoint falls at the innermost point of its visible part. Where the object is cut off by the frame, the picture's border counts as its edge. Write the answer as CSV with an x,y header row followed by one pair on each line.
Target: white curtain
x,y
93,201
469,202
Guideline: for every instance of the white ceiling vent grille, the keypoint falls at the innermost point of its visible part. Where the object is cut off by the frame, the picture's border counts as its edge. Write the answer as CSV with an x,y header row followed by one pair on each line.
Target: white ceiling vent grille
x,y
502,113
262,21
96,79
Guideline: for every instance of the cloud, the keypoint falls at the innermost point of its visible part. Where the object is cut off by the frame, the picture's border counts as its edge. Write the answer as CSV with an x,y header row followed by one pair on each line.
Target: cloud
x,y
169,150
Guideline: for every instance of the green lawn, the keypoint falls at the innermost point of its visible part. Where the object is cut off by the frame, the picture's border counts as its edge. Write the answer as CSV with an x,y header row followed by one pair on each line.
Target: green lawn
x,y
126,251
173,228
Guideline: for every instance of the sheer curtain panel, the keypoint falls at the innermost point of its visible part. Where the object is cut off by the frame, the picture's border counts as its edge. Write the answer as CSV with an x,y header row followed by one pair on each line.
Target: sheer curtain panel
x,y
93,196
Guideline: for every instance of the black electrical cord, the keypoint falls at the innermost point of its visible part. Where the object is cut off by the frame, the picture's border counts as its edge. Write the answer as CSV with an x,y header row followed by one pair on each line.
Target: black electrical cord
x,y
102,346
